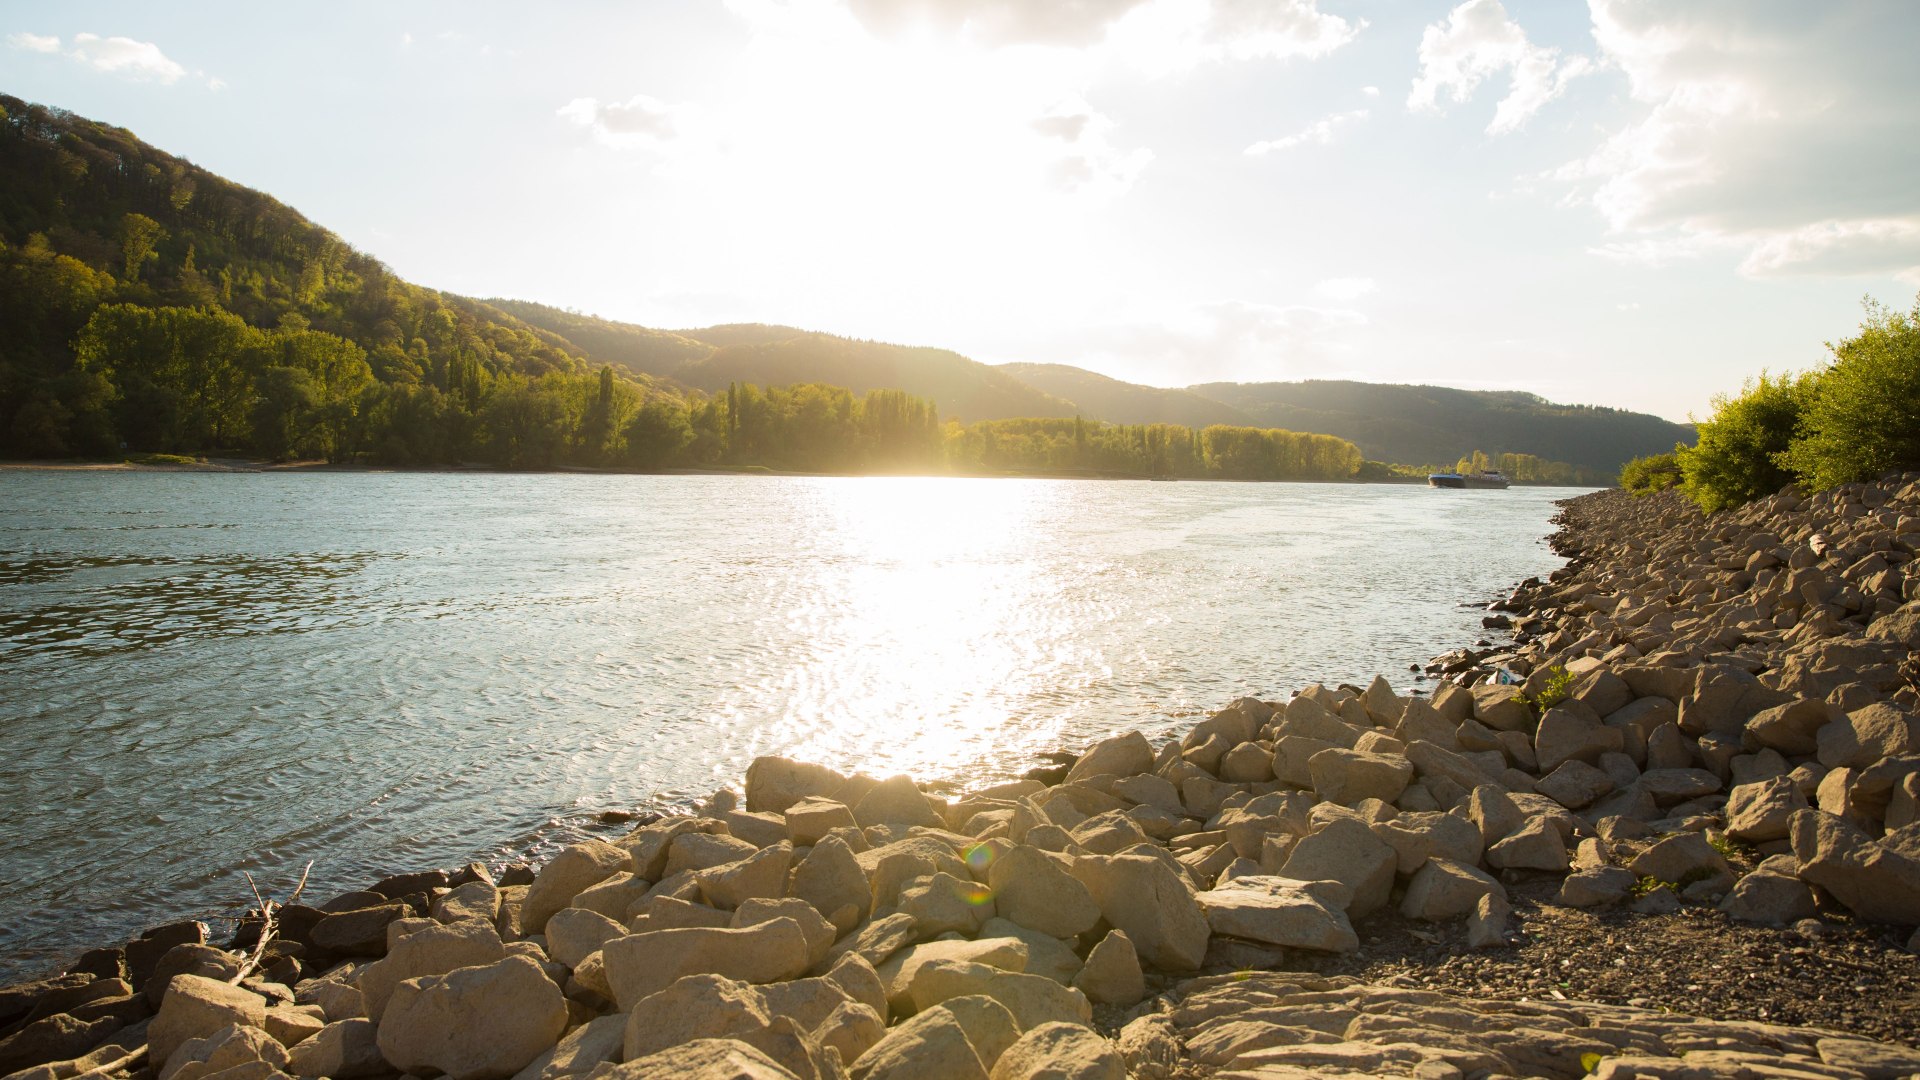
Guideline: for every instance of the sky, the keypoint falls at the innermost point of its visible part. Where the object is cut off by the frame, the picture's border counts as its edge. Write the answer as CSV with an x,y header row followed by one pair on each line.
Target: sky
x,y
1633,203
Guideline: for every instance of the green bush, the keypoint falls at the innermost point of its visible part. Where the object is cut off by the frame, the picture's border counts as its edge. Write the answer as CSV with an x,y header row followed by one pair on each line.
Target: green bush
x,y
1650,474
1863,417
1737,459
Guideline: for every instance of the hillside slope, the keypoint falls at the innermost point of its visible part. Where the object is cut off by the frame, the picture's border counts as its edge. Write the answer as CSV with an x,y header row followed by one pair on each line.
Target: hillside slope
x,y
1102,397
964,389
1439,425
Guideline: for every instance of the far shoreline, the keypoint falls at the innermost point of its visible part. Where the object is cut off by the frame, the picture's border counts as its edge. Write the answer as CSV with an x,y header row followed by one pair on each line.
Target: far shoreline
x,y
254,465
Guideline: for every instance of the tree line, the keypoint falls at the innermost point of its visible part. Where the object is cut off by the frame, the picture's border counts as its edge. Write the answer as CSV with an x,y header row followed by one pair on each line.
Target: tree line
x,y
1852,419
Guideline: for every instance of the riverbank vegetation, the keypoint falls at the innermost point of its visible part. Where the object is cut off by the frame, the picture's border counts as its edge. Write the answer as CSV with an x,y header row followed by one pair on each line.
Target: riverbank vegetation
x,y
1851,420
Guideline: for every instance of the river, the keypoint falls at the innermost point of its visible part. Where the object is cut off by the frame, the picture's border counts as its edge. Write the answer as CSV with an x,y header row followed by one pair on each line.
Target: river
x,y
204,673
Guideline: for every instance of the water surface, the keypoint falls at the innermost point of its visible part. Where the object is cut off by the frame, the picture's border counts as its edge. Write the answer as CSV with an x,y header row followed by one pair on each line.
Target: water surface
x,y
202,674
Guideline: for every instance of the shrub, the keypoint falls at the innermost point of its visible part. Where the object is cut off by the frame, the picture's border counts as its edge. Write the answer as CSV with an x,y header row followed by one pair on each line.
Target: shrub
x,y
1650,474
1863,417
1558,686
1737,458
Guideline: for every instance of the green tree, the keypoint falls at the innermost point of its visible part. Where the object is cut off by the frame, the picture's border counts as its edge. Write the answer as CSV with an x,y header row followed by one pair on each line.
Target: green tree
x,y
1737,458
659,431
1863,415
139,236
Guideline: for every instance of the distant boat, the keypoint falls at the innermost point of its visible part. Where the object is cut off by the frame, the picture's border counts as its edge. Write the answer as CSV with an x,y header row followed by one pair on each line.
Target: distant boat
x,y
1485,478
1169,479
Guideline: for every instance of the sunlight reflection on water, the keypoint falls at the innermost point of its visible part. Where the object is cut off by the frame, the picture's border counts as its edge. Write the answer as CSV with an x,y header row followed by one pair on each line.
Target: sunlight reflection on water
x,y
206,673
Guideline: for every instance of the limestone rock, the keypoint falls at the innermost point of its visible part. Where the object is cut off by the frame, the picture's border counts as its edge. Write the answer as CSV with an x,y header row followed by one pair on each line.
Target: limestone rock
x,y
1769,898
1120,756
852,1029
989,1026
1031,999
1345,850
572,935
1442,889
691,852
1111,975
1596,886
930,1046
476,1023
1878,879
343,1050
645,963
1282,911
1348,776
575,869
1143,896
942,903
232,1045
473,900
1060,1051
812,818
1759,811
776,783
1864,736
1536,845
1036,891
760,876
702,1059
196,1007
360,932
1682,858
434,951
898,973
830,878
818,931
582,1050
897,801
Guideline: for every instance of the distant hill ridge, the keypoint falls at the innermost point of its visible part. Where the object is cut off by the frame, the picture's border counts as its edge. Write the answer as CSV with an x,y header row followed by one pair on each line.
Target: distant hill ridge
x,y
1389,422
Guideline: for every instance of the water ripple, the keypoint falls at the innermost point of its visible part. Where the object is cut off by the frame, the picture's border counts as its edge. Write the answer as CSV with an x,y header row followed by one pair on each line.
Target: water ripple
x,y
202,674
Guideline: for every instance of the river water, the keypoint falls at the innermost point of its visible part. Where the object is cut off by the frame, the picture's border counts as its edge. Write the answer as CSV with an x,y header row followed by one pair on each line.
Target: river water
x,y
203,674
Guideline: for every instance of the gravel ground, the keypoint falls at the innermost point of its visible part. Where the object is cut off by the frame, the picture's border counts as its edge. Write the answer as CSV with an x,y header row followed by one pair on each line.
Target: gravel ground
x,y
1850,977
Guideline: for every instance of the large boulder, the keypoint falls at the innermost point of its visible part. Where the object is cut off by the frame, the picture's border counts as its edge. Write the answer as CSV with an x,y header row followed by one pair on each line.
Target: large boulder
x,y
896,801
1760,811
930,1046
476,1023
646,963
702,1059
713,1007
897,974
830,878
577,868
232,1046
1032,999
1060,1051
1347,776
1035,890
1878,879
759,876
1282,911
1111,975
775,783
1866,735
1345,850
1120,756
1442,889
343,1050
435,950
1143,896
196,1007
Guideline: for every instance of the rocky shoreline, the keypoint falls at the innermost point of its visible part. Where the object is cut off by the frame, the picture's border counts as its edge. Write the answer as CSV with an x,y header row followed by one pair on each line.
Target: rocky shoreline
x,y
1688,785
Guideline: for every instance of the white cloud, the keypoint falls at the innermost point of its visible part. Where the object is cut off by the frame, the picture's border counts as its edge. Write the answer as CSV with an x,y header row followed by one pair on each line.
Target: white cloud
x,y
406,39
1319,132
1478,41
1085,159
1370,91
1783,131
34,42
638,121
125,56
1345,288
1160,36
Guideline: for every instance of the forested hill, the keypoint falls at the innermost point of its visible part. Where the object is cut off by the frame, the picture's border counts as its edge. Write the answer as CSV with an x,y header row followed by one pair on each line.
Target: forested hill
x,y
711,358
1124,402
151,304
1437,424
